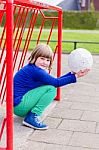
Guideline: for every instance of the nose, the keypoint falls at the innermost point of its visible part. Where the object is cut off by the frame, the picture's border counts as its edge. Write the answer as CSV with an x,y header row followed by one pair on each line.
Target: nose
x,y
45,62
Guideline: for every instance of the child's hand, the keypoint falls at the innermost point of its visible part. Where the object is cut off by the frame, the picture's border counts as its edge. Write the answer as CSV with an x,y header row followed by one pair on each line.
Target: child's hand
x,y
82,73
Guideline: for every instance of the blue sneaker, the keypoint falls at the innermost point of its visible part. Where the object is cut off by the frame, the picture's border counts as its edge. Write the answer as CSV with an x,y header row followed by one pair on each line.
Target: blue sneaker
x,y
32,121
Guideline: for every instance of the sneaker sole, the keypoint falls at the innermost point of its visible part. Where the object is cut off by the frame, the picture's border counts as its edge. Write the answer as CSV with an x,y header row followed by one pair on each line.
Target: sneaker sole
x,y
28,125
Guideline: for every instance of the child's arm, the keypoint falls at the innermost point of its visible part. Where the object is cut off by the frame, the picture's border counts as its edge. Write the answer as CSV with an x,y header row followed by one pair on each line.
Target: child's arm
x,y
67,74
47,79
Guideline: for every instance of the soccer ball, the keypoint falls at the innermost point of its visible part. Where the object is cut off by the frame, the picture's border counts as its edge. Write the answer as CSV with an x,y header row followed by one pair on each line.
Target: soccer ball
x,y
80,59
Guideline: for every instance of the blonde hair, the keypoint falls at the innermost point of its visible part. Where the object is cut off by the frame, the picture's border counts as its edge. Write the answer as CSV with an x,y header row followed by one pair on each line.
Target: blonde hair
x,y
41,50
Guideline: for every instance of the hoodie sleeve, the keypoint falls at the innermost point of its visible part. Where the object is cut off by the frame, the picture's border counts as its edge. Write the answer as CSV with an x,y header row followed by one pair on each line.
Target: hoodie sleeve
x,y
48,79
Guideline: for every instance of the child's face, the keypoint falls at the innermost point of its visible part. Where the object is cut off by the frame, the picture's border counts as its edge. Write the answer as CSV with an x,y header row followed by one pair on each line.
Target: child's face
x,y
42,62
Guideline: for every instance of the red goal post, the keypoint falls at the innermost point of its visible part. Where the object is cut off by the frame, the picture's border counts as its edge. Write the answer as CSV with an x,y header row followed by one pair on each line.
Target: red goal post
x,y
17,28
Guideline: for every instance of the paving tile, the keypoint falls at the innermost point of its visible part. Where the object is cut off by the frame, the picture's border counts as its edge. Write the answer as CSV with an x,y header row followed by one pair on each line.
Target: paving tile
x,y
31,145
3,139
52,122
90,116
66,113
45,146
97,128
21,134
86,140
77,125
83,92
85,106
63,103
52,136
84,99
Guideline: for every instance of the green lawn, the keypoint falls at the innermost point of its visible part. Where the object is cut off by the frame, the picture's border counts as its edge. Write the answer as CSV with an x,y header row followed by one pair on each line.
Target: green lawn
x,y
70,35
79,36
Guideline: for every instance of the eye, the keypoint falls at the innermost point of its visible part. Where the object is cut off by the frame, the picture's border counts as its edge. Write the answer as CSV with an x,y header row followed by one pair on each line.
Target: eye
x,y
42,58
48,59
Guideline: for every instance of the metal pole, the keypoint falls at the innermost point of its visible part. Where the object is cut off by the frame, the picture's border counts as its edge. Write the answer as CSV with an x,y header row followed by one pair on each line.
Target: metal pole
x,y
9,73
59,50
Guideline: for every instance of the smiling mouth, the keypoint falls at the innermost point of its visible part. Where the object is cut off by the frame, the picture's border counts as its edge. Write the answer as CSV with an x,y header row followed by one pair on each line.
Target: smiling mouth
x,y
43,66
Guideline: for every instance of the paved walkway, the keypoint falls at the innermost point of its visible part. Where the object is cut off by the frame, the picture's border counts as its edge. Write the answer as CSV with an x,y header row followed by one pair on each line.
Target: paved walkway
x,y
73,122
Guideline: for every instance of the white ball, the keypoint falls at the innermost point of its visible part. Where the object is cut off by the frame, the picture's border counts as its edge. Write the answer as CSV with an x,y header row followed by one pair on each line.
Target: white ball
x,y
80,59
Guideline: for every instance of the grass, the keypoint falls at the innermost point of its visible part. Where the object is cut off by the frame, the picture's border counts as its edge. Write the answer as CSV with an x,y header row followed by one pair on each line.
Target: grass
x,y
84,37
70,35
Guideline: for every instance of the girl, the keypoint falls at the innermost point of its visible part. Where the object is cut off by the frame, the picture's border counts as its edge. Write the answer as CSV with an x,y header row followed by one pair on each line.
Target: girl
x,y
35,88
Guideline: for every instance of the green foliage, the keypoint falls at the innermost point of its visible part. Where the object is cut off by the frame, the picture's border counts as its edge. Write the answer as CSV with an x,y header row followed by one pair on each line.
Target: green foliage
x,y
3,20
48,22
71,19
79,20
75,20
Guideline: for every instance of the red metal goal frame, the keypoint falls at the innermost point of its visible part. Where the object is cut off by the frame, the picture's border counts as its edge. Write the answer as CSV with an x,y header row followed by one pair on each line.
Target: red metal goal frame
x,y
9,44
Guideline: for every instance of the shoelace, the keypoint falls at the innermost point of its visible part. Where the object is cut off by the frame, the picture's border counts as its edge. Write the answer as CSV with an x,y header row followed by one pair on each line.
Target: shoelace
x,y
37,118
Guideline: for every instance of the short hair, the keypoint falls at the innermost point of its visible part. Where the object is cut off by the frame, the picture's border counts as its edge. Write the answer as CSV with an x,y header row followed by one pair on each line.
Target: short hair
x,y
41,50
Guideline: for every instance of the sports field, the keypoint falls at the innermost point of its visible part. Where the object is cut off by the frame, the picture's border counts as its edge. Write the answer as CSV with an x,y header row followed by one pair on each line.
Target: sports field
x,y
75,35
70,35
67,35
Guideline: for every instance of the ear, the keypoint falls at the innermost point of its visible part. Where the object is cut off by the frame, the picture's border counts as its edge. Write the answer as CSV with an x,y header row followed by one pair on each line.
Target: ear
x,y
33,61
